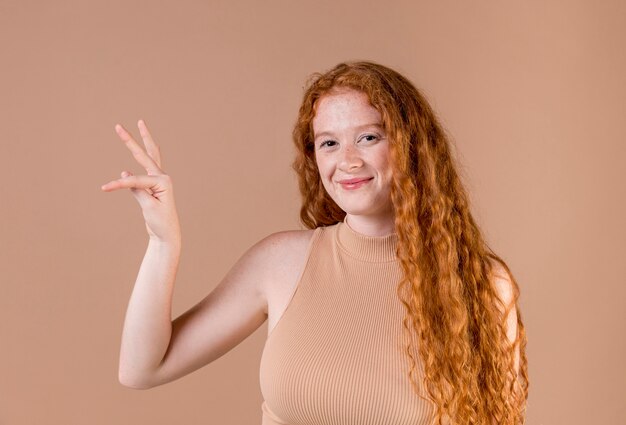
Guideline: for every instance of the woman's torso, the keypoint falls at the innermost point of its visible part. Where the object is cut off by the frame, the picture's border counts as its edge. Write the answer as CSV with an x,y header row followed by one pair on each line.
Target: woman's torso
x,y
335,347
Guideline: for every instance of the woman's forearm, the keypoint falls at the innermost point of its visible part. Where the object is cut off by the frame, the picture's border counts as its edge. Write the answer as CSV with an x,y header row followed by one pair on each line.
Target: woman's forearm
x,y
148,322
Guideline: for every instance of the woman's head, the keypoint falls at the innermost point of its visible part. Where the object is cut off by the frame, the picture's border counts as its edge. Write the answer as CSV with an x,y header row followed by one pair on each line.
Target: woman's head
x,y
407,120
352,155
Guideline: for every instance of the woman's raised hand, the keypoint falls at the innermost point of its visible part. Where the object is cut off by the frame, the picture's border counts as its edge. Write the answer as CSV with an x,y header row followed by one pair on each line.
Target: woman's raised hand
x,y
153,191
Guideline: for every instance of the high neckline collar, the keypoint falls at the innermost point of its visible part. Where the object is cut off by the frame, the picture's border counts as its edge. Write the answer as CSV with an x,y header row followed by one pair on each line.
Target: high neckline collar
x,y
373,249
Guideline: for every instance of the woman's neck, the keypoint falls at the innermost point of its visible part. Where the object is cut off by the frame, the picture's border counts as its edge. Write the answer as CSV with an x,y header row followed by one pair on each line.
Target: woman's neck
x,y
371,225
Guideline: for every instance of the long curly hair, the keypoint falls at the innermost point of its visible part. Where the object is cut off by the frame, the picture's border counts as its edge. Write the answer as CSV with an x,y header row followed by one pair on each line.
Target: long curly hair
x,y
455,319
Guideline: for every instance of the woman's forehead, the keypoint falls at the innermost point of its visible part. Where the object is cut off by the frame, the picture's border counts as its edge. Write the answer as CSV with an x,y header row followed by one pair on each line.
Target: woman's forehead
x,y
345,106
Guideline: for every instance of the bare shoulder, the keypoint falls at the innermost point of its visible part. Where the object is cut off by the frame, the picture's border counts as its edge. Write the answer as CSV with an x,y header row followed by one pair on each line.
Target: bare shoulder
x,y
281,248
285,241
275,250
503,283
508,293
284,255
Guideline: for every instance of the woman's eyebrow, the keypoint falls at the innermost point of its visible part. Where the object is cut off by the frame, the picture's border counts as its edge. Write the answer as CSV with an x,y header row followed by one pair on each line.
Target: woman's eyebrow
x,y
360,127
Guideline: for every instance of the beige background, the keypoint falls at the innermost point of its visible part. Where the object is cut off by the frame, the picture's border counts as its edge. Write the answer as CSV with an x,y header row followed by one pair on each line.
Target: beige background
x,y
533,93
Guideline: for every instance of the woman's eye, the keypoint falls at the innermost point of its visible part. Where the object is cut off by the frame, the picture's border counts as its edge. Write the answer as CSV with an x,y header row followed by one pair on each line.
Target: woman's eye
x,y
326,142
371,137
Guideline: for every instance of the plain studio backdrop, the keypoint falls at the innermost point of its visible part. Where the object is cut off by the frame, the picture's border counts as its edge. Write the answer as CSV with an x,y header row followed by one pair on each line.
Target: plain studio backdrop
x,y
531,92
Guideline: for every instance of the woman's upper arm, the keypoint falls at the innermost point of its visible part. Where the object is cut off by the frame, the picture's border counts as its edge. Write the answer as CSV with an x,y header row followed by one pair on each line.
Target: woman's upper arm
x,y
232,311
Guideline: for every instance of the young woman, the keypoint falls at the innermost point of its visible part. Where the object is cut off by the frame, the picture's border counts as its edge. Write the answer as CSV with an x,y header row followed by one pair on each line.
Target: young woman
x,y
389,309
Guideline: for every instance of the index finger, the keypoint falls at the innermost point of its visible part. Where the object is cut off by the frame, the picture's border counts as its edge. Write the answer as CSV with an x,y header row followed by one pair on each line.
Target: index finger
x,y
140,155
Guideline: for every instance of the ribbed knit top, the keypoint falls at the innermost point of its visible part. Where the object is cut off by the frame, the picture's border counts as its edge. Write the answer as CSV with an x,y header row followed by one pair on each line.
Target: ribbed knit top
x,y
336,355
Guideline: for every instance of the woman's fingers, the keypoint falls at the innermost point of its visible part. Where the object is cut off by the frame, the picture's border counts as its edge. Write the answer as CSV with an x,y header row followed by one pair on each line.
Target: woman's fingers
x,y
140,155
151,147
142,195
132,182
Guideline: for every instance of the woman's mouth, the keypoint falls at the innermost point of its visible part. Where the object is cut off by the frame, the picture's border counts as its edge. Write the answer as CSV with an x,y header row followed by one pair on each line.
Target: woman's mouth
x,y
352,184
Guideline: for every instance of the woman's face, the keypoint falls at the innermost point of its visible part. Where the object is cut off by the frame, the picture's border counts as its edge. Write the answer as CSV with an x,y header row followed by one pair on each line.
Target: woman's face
x,y
352,154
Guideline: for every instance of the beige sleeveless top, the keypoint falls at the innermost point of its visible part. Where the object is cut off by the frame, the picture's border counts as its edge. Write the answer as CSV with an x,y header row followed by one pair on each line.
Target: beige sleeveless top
x,y
336,355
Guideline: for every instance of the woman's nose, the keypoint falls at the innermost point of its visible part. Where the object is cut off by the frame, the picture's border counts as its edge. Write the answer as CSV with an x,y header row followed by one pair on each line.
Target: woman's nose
x,y
350,158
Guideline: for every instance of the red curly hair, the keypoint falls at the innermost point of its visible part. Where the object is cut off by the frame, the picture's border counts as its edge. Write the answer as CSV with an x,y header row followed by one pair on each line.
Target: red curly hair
x,y
455,318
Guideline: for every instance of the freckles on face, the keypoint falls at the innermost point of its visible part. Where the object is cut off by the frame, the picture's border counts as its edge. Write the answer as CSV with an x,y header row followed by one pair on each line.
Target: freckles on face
x,y
352,152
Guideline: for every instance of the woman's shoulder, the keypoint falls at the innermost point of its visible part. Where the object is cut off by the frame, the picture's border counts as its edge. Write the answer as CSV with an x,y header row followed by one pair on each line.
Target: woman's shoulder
x,y
286,242
282,255
285,248
280,249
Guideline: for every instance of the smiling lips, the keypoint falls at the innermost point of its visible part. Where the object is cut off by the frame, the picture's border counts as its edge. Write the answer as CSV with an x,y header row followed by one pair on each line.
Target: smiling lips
x,y
354,183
